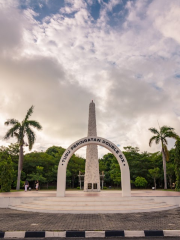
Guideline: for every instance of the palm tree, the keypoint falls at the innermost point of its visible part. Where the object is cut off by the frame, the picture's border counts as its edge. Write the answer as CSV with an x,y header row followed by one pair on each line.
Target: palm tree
x,y
20,130
160,136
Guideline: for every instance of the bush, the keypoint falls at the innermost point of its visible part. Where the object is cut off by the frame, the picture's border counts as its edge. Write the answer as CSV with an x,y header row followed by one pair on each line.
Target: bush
x,y
104,187
78,187
140,182
14,184
6,173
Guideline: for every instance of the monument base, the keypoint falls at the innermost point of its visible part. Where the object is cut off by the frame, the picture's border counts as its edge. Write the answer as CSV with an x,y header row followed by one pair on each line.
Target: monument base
x,y
92,190
92,187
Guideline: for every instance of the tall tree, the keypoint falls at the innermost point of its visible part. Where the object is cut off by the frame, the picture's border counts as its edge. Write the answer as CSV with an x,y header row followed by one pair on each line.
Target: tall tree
x,y
177,164
155,173
20,130
161,137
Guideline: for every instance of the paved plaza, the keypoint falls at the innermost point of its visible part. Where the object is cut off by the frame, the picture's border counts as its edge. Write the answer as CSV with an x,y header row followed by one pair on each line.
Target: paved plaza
x,y
16,220
79,202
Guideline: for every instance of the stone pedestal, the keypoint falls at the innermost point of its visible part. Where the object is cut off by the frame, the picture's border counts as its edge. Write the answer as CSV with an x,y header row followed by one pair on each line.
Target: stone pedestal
x,y
92,179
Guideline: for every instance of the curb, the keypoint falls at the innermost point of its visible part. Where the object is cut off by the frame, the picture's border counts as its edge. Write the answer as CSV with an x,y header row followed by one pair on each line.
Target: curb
x,y
91,234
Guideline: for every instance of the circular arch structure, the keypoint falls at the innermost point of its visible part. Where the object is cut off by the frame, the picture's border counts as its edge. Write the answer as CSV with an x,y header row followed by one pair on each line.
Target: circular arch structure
x,y
125,174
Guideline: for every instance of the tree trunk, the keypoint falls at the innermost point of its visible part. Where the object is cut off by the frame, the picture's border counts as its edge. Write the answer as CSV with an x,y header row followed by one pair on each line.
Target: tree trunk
x,y
164,168
170,181
73,180
19,167
155,183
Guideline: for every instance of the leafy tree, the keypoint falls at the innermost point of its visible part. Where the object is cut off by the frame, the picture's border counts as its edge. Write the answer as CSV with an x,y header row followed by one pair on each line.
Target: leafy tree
x,y
177,164
42,159
161,137
140,182
20,130
13,151
139,163
155,173
68,178
56,152
6,172
38,175
170,172
105,164
115,173
75,165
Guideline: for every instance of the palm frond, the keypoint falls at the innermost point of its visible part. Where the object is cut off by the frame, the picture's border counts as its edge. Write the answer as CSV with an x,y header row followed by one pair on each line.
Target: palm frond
x,y
157,139
165,129
152,139
31,137
33,123
29,112
154,130
171,134
11,132
165,142
11,121
16,135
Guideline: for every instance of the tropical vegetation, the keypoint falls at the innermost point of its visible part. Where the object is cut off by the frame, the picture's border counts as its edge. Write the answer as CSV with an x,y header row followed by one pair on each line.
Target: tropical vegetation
x,y
146,169
161,137
20,130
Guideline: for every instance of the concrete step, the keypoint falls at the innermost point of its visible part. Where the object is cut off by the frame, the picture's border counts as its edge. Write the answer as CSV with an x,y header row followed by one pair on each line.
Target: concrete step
x,y
97,204
92,211
71,205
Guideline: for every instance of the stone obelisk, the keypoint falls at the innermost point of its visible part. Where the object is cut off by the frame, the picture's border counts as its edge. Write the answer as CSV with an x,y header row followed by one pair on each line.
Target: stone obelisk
x,y
92,180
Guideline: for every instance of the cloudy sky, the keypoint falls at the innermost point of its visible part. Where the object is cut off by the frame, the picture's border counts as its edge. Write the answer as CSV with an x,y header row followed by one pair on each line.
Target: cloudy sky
x,y
58,55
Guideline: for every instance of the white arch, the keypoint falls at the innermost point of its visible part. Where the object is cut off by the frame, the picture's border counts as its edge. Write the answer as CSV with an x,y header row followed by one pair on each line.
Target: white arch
x,y
125,174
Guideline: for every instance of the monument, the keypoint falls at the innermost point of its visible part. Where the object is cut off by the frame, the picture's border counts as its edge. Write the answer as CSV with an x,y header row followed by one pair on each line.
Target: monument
x,y
92,178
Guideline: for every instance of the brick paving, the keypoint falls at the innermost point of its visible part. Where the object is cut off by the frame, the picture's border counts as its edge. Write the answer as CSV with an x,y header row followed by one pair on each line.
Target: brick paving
x,y
14,220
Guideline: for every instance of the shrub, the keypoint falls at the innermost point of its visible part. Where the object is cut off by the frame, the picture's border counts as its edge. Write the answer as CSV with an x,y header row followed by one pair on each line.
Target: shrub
x,y
104,187
6,174
78,187
140,182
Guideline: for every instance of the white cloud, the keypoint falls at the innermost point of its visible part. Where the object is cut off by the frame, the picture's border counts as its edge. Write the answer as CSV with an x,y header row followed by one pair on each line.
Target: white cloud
x,y
65,61
167,20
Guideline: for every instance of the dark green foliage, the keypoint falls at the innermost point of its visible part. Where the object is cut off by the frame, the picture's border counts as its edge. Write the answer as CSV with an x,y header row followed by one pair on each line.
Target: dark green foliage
x,y
37,175
140,182
55,152
110,166
43,166
155,174
13,151
40,159
177,164
6,171
75,165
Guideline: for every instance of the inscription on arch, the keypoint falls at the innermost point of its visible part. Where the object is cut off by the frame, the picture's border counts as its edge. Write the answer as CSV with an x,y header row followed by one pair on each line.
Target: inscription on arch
x,y
91,140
